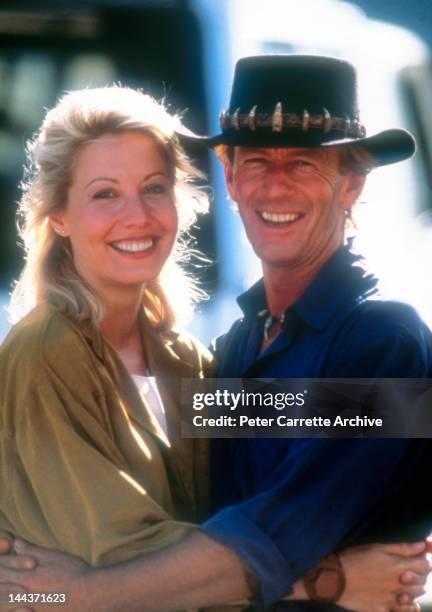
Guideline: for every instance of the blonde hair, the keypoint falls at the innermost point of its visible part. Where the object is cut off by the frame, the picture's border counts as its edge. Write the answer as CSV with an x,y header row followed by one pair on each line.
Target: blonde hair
x,y
49,273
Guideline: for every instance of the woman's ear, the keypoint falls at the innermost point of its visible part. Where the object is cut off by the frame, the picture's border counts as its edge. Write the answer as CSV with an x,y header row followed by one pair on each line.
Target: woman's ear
x,y
58,224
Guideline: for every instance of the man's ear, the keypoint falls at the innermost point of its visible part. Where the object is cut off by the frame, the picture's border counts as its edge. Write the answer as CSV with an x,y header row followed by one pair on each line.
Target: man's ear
x,y
351,188
229,180
58,223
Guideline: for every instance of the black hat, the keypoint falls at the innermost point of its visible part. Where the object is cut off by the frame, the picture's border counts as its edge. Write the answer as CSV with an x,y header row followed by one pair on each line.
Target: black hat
x,y
301,101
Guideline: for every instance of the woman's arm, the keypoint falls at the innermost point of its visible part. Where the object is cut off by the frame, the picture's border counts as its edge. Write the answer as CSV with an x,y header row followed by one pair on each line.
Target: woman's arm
x,y
77,495
70,478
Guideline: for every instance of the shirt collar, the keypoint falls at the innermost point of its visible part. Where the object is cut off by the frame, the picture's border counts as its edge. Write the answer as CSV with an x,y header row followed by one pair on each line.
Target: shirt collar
x,y
343,277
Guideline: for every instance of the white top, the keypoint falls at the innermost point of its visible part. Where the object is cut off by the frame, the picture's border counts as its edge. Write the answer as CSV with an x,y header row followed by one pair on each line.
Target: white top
x,y
148,389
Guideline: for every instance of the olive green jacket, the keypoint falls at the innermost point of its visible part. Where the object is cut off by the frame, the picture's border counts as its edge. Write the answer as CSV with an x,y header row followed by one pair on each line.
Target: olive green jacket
x,y
84,467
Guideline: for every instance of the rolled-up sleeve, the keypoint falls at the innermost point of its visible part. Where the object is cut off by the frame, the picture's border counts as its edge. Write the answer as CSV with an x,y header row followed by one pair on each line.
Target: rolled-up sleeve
x,y
317,493
308,505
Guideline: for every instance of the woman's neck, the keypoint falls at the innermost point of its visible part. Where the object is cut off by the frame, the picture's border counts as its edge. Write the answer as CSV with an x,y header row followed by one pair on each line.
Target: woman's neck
x,y
120,326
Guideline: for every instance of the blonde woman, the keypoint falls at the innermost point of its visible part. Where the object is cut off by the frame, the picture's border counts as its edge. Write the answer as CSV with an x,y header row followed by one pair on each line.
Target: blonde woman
x,y
86,464
92,462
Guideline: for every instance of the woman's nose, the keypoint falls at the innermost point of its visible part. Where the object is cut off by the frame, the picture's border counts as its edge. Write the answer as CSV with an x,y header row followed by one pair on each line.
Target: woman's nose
x,y
137,209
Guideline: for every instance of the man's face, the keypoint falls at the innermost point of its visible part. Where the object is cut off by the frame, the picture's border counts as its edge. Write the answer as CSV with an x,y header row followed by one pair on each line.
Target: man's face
x,y
292,202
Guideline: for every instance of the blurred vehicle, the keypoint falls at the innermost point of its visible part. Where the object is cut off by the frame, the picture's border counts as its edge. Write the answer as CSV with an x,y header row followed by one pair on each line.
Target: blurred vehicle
x,y
186,51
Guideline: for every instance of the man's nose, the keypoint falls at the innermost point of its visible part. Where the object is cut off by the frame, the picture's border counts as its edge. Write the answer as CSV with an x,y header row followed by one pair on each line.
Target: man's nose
x,y
278,178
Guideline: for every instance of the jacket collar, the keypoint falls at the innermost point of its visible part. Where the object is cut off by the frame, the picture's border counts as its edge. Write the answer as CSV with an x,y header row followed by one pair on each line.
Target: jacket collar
x,y
164,352
343,277
163,349
164,356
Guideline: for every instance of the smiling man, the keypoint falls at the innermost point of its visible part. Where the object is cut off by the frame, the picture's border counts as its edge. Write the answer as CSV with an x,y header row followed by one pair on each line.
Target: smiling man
x,y
296,158
293,204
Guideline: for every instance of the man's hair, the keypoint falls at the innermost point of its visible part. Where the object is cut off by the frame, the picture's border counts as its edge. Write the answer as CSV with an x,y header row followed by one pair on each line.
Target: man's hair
x,y
49,273
356,159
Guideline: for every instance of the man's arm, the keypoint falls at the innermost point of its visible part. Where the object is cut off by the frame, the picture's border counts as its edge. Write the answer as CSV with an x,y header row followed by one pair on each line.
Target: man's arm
x,y
314,499
199,572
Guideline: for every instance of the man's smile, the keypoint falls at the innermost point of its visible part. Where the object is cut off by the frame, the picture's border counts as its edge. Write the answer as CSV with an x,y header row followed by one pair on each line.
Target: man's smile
x,y
280,220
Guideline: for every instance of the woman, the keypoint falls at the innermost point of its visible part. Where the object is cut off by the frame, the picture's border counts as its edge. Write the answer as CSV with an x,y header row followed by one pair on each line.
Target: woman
x,y
108,190
92,460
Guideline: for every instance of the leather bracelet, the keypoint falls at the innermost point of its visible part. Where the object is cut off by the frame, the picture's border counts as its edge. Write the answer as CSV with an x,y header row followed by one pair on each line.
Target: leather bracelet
x,y
255,599
330,567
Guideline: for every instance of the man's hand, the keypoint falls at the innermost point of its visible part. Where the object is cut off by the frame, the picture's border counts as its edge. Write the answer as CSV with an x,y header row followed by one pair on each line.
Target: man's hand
x,y
5,546
10,590
196,572
36,570
409,577
384,577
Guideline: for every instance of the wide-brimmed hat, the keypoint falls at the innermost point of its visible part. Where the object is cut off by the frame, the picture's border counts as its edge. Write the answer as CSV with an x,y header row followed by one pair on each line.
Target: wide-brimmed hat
x,y
301,101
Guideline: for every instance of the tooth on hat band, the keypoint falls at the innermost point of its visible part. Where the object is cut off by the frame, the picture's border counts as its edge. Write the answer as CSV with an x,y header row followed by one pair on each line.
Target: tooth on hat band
x,y
279,122
277,118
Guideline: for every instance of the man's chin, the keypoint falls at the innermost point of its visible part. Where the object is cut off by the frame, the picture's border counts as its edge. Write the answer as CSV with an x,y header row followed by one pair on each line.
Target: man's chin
x,y
277,259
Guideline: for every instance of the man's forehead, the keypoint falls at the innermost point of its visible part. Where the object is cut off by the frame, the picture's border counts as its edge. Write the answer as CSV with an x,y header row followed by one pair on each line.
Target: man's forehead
x,y
310,152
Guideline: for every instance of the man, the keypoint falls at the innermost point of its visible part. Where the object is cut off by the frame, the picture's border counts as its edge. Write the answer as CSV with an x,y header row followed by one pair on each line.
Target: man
x,y
295,158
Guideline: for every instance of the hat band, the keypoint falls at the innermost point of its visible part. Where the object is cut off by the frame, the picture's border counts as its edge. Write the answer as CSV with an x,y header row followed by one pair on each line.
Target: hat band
x,y
279,121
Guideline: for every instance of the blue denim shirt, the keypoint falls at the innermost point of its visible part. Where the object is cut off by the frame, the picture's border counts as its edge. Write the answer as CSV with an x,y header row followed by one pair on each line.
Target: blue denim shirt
x,y
288,502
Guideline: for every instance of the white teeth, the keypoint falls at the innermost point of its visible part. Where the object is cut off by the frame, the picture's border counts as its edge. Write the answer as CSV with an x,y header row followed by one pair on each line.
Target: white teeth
x,y
275,218
133,246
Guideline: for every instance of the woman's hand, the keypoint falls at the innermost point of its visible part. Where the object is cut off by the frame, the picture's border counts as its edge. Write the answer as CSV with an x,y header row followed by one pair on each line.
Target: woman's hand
x,y
384,577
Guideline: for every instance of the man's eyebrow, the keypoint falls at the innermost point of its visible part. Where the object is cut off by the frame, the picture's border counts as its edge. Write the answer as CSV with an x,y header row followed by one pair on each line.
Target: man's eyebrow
x,y
312,152
254,151
113,180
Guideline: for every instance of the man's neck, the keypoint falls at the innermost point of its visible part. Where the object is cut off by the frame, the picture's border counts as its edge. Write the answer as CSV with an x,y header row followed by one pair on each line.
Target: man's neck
x,y
285,284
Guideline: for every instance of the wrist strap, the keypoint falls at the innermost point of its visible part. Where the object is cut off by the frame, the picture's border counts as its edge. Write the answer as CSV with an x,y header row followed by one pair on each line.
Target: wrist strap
x,y
325,582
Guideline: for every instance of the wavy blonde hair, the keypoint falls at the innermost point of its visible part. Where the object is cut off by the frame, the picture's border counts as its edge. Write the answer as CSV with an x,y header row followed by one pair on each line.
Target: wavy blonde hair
x,y
49,273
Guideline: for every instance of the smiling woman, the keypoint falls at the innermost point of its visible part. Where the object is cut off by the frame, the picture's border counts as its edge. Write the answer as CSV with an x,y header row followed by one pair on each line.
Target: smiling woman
x,y
92,459
121,218
74,145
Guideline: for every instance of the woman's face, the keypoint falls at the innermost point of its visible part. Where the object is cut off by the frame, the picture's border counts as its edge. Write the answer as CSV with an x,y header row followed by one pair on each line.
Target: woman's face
x,y
120,214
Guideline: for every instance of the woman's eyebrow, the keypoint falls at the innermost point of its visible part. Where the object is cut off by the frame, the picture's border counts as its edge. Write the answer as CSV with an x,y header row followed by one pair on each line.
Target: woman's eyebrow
x,y
113,180
101,178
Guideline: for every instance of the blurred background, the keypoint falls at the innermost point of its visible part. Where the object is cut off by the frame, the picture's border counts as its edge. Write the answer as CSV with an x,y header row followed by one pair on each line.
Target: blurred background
x,y
185,51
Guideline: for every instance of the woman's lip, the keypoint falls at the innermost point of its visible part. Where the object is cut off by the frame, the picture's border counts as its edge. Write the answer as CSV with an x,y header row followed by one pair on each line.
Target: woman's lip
x,y
134,239
131,246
